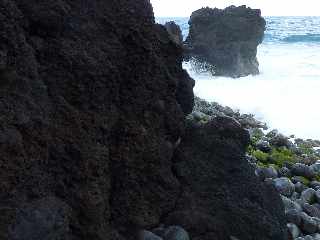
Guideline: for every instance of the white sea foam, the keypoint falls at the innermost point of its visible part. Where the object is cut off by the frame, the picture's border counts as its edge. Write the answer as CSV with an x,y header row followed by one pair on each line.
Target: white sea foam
x,y
286,94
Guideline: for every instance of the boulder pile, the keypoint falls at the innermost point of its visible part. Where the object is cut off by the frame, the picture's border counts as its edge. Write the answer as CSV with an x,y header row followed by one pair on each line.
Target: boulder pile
x,y
290,164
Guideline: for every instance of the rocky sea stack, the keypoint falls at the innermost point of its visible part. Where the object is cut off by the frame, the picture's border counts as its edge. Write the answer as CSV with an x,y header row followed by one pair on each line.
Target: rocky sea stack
x,y
175,32
226,40
94,141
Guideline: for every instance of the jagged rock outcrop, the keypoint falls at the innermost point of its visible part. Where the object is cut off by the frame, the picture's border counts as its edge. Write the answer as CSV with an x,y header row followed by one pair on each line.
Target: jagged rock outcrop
x,y
175,32
226,39
93,101
220,194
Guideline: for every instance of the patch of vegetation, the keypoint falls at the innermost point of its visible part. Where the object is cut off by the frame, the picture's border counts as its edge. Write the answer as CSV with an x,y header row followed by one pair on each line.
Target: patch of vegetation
x,y
280,156
306,149
303,180
250,149
260,156
262,165
317,177
276,158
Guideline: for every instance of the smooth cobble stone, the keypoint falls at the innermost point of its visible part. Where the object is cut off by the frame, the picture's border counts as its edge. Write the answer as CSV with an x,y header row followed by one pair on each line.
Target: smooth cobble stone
x,y
308,237
293,216
303,170
316,236
317,195
308,224
317,205
175,233
284,172
147,235
284,186
299,187
269,172
315,185
308,195
315,167
317,220
289,204
293,230
311,210
295,196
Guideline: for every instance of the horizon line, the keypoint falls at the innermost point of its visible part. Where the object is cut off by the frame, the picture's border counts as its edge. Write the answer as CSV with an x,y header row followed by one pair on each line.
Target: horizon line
x,y
262,16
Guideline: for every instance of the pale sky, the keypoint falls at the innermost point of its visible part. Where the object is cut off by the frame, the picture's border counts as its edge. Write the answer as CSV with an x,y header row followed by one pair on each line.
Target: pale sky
x,y
183,8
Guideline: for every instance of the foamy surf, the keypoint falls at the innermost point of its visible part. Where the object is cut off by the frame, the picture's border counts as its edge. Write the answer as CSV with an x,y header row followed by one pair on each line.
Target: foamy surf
x,y
285,94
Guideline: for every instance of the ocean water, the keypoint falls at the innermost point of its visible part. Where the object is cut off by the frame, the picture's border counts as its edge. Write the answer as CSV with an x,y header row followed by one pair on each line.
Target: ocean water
x,y
286,93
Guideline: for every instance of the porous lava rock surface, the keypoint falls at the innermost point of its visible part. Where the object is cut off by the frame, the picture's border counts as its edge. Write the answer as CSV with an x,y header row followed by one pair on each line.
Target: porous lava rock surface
x,y
220,196
93,101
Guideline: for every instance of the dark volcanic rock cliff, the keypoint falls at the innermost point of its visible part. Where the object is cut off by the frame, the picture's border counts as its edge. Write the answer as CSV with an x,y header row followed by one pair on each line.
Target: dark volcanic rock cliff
x,y
92,104
92,101
227,39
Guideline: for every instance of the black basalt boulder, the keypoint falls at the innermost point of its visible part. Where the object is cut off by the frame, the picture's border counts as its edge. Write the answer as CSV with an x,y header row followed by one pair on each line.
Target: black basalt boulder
x,y
220,195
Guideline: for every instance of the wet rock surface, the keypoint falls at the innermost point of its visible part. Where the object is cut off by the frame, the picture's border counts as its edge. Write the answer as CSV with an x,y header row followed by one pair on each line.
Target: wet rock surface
x,y
225,41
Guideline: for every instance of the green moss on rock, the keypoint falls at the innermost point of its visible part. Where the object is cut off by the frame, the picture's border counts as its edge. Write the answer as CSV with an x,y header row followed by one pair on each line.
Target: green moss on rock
x,y
280,156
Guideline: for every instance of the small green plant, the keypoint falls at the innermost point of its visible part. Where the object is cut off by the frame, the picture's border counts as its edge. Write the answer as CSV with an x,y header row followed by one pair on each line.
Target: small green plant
x,y
262,165
281,155
317,177
250,149
261,156
303,180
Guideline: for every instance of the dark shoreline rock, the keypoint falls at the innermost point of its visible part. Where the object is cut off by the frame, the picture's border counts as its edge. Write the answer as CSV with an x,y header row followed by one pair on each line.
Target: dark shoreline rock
x,y
93,134
291,164
93,99
221,189
225,41
175,32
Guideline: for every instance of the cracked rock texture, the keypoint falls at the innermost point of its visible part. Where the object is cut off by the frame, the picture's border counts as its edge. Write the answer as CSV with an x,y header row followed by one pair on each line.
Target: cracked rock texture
x,y
93,101
220,195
